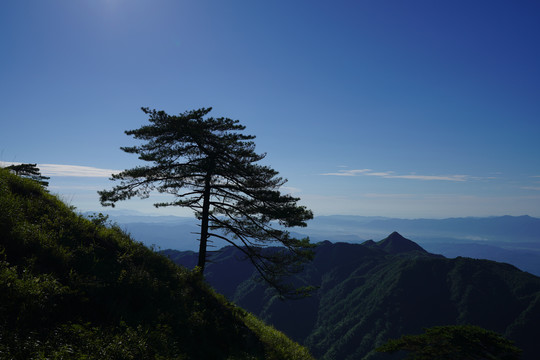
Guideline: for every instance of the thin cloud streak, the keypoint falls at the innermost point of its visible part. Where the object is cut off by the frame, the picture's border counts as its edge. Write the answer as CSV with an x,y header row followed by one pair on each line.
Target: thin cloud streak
x,y
430,177
392,175
349,172
388,196
75,170
69,170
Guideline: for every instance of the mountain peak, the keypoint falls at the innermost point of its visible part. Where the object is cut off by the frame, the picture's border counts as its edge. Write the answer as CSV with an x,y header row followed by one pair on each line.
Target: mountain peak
x,y
369,243
396,236
395,243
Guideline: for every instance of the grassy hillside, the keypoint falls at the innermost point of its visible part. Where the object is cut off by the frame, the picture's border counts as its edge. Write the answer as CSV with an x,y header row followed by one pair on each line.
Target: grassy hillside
x,y
73,288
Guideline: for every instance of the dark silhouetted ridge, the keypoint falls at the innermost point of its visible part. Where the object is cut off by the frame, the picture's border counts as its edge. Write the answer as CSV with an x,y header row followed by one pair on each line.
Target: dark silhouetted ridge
x,y
375,291
369,243
395,244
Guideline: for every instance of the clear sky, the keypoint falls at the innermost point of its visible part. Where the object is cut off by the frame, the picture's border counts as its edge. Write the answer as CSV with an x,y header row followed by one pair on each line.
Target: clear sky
x,y
384,108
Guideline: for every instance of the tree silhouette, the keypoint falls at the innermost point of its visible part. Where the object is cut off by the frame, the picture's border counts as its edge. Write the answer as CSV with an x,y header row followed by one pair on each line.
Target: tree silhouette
x,y
30,171
464,342
209,166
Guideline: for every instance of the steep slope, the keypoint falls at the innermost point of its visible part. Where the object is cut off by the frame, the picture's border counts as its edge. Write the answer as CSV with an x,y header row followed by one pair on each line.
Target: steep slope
x,y
396,244
379,290
72,288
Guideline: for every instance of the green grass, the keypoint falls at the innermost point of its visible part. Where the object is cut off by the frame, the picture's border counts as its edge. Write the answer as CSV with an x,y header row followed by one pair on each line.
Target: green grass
x,y
277,344
75,288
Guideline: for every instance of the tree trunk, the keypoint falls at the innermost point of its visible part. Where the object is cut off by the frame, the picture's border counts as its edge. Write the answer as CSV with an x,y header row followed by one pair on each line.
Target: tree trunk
x,y
204,223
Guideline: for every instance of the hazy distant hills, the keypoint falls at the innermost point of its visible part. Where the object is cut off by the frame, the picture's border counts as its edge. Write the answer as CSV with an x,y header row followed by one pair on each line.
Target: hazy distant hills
x,y
500,228
511,239
374,291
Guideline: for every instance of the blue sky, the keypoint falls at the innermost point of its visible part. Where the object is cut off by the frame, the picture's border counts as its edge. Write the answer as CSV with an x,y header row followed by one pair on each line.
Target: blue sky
x,y
385,108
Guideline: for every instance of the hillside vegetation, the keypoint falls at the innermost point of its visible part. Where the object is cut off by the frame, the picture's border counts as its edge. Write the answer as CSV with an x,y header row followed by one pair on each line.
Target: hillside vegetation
x,y
74,288
372,292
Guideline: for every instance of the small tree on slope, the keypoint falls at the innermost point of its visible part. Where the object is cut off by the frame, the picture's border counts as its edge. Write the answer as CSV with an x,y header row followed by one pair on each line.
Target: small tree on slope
x,y
210,167
30,171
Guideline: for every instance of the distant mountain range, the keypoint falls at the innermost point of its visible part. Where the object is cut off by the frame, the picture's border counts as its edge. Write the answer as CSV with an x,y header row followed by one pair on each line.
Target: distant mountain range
x,y
374,291
510,239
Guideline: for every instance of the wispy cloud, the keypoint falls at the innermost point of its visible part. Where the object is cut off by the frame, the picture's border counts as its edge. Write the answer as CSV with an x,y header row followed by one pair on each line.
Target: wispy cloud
x,y
291,189
79,188
535,188
75,170
430,177
388,196
69,170
349,172
393,175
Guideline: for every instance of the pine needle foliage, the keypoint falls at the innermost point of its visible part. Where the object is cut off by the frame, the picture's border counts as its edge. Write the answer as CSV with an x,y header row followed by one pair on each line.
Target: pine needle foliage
x,y
30,171
208,165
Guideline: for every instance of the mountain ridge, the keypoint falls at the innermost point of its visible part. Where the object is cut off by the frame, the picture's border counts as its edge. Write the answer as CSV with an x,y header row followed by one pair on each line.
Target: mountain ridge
x,y
516,241
395,244
374,291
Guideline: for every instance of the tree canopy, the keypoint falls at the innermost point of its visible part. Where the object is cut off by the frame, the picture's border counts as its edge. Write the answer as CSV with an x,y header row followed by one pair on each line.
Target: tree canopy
x,y
465,342
208,165
30,171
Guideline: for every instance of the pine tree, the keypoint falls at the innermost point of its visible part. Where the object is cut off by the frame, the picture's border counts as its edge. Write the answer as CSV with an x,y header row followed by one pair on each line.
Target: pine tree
x,y
30,171
209,166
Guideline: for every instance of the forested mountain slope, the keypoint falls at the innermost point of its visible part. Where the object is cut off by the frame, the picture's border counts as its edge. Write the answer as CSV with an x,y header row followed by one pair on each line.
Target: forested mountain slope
x,y
72,288
375,291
